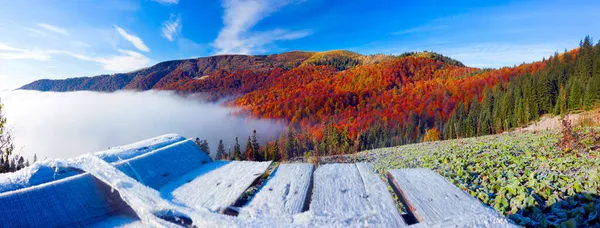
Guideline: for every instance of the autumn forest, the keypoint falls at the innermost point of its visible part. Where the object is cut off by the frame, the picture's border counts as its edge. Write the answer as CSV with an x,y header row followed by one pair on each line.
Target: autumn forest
x,y
341,102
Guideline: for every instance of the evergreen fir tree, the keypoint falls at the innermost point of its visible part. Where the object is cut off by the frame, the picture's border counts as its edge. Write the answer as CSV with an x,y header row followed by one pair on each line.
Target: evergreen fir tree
x,y
221,151
203,144
592,91
290,146
575,98
256,147
6,143
276,153
237,152
20,163
249,151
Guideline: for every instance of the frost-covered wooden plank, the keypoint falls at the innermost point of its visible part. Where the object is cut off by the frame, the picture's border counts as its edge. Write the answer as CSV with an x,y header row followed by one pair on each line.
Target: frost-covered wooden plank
x,y
215,185
352,195
152,209
138,148
50,170
121,221
70,202
38,173
284,194
469,221
431,198
156,168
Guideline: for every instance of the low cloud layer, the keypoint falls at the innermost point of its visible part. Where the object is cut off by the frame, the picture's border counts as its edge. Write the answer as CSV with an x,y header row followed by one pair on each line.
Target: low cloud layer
x,y
61,125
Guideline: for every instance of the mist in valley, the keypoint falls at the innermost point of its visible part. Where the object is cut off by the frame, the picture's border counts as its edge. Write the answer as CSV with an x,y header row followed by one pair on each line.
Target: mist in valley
x,y
62,125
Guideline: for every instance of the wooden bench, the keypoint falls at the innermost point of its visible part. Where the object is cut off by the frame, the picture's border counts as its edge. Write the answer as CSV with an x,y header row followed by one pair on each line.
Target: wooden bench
x,y
188,186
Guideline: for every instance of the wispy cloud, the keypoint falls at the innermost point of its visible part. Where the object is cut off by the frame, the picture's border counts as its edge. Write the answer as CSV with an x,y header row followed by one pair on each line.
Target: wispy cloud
x,y
172,27
167,2
8,52
54,28
240,16
500,55
127,60
136,41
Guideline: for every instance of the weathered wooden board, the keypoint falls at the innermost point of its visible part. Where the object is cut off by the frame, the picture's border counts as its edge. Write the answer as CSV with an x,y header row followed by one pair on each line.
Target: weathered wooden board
x,y
216,185
469,221
432,199
284,194
152,209
73,201
352,195
163,165
121,221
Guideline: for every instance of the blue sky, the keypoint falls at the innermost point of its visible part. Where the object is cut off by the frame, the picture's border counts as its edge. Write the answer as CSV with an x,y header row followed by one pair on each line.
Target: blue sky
x,y
70,38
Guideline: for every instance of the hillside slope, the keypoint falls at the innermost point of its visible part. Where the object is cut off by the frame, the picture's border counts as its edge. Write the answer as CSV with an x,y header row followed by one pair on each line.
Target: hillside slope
x,y
162,74
341,102
524,176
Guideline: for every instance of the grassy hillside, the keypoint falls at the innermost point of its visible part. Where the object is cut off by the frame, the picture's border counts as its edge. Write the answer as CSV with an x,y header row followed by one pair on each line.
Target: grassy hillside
x,y
536,179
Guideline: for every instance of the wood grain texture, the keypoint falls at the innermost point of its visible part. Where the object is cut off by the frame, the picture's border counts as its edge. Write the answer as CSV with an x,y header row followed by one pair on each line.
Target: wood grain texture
x,y
284,193
352,195
469,221
215,185
433,200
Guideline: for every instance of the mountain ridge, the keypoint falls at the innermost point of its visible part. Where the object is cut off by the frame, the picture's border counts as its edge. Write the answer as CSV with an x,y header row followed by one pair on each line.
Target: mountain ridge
x,y
160,75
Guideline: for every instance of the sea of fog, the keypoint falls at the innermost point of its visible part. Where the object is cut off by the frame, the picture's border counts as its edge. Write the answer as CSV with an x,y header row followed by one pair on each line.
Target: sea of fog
x,y
61,125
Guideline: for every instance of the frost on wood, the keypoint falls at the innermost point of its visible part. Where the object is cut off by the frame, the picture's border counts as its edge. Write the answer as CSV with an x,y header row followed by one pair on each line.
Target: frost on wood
x,y
349,195
434,200
168,181
38,173
73,201
151,207
284,194
216,186
131,150
163,165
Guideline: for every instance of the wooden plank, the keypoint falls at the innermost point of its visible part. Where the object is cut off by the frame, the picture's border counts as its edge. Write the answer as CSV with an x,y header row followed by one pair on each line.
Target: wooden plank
x,y
352,195
119,221
125,152
73,201
161,166
216,185
155,211
431,198
284,193
470,221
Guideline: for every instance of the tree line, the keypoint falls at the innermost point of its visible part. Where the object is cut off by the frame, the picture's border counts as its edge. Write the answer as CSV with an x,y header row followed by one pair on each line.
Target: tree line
x,y
414,100
9,162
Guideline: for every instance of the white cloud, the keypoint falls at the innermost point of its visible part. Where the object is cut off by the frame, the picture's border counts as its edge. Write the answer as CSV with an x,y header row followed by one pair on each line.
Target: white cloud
x,y
136,41
172,27
125,62
8,52
239,18
54,28
167,2
500,55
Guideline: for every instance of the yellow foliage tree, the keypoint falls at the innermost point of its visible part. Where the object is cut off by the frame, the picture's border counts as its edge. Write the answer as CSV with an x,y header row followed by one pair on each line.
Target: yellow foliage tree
x,y
432,135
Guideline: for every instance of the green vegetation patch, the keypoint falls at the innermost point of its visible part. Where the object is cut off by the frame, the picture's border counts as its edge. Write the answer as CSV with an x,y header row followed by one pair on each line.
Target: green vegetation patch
x,y
522,175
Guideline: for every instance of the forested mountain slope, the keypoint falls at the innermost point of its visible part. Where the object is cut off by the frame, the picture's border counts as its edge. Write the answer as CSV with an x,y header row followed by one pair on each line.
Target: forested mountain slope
x,y
340,102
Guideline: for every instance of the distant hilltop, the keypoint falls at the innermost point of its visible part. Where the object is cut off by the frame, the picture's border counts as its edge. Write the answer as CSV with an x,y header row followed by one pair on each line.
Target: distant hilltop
x,y
164,75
